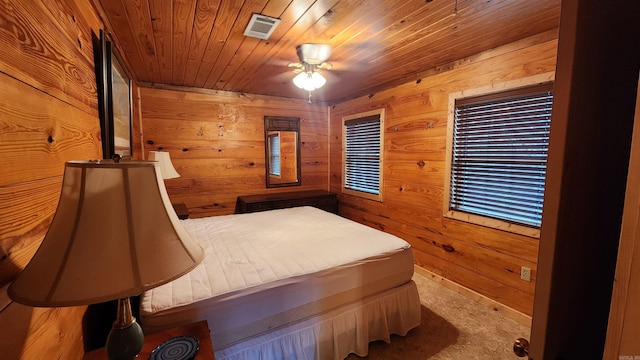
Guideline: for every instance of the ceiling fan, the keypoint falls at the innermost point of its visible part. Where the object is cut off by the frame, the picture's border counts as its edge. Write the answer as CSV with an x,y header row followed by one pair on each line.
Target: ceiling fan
x,y
312,57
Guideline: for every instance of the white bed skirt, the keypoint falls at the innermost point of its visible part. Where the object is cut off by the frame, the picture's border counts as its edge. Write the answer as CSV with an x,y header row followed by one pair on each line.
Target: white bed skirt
x,y
335,334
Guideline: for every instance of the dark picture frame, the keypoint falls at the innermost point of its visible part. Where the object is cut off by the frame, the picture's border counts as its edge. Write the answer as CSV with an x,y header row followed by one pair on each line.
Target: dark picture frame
x,y
114,101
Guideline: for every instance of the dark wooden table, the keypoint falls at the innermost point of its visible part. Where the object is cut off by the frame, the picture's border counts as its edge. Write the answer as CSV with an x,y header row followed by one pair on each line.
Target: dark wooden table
x,y
199,329
181,210
317,198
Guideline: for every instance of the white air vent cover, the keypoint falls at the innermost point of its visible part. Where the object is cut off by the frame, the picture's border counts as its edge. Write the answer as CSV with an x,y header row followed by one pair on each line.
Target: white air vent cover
x,y
261,26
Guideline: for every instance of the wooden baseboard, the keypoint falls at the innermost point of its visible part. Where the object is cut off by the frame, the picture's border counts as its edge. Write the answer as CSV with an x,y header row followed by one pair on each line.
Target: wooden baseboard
x,y
513,314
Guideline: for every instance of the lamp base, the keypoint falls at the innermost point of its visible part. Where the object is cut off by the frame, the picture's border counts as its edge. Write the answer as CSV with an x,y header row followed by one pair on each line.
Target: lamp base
x,y
126,338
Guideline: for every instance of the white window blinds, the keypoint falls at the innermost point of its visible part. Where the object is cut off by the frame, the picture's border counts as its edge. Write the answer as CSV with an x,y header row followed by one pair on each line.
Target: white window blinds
x,y
274,154
500,146
362,154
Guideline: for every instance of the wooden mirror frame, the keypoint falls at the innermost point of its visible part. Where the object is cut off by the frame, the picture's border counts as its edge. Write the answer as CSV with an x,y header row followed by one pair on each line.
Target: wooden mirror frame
x,y
281,124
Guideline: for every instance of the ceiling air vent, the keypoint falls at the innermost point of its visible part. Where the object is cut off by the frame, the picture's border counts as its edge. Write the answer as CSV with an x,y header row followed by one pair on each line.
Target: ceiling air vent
x,y
261,26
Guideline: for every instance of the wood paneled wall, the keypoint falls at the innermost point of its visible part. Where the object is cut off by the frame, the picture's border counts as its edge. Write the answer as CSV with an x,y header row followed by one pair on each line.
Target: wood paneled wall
x,y
48,115
216,142
482,259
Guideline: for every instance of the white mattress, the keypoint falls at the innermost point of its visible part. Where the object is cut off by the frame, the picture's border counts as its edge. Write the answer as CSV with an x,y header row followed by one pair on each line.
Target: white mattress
x,y
267,269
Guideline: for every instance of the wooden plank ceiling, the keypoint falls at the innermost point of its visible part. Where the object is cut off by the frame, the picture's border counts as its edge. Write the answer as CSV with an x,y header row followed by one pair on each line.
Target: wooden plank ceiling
x,y
376,43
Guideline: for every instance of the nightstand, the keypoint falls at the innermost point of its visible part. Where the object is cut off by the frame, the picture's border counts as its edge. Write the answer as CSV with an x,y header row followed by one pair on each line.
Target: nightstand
x,y
181,210
199,329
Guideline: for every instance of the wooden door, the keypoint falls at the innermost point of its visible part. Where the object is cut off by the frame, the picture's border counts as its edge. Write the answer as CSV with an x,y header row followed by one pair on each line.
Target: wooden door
x,y
592,121
624,318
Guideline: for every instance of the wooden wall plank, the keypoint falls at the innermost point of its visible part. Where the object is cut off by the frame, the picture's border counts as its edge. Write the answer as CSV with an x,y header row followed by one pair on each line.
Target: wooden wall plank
x,y
482,259
182,26
206,14
140,21
125,42
37,128
41,333
37,53
227,13
48,115
216,142
27,210
161,13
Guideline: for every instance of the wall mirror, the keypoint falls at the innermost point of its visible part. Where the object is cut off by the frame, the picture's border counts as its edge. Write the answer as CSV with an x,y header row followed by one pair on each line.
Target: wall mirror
x,y
282,151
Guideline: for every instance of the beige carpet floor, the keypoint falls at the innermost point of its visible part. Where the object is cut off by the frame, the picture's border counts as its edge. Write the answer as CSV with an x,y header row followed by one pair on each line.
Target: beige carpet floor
x,y
453,327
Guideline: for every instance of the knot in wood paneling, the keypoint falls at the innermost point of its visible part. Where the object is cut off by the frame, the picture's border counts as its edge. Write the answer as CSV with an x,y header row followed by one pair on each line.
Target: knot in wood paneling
x,y
448,248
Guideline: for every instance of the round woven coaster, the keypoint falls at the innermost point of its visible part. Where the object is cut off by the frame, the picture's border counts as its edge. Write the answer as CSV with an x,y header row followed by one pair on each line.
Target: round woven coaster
x,y
176,348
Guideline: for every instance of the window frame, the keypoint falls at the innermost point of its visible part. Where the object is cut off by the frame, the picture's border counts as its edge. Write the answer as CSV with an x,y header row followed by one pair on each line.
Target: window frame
x,y
381,114
521,84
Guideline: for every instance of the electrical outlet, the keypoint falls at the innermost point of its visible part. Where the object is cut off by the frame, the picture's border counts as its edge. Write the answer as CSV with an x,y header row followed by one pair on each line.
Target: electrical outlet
x,y
525,273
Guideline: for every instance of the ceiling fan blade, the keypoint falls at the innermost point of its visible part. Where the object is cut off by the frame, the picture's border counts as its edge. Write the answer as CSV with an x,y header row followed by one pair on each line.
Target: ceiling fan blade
x,y
325,66
332,78
283,77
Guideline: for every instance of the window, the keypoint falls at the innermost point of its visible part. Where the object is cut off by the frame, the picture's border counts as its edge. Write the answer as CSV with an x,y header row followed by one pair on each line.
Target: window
x,y
274,154
498,158
362,135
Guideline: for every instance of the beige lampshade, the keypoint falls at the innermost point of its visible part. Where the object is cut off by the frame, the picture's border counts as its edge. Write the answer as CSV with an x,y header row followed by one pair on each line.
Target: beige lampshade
x,y
114,235
166,167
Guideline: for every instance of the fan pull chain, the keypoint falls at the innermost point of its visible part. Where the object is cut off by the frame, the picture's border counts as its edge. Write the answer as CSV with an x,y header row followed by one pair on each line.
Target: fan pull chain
x,y
309,97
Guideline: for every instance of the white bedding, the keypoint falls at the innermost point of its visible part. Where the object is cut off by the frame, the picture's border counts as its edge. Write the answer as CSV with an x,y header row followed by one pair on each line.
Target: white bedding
x,y
272,269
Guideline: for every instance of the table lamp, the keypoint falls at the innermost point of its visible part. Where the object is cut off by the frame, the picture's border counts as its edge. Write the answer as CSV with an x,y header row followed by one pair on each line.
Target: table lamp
x,y
166,166
114,235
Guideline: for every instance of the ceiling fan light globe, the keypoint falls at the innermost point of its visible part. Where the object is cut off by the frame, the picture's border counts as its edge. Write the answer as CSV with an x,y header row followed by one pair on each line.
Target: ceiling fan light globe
x,y
318,80
300,80
309,81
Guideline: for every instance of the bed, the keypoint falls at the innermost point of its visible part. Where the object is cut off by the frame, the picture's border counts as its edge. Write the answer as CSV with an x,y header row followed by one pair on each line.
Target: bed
x,y
297,283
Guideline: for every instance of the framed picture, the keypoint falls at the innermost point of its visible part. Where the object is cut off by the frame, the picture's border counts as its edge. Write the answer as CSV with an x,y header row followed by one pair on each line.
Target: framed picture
x,y
114,101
